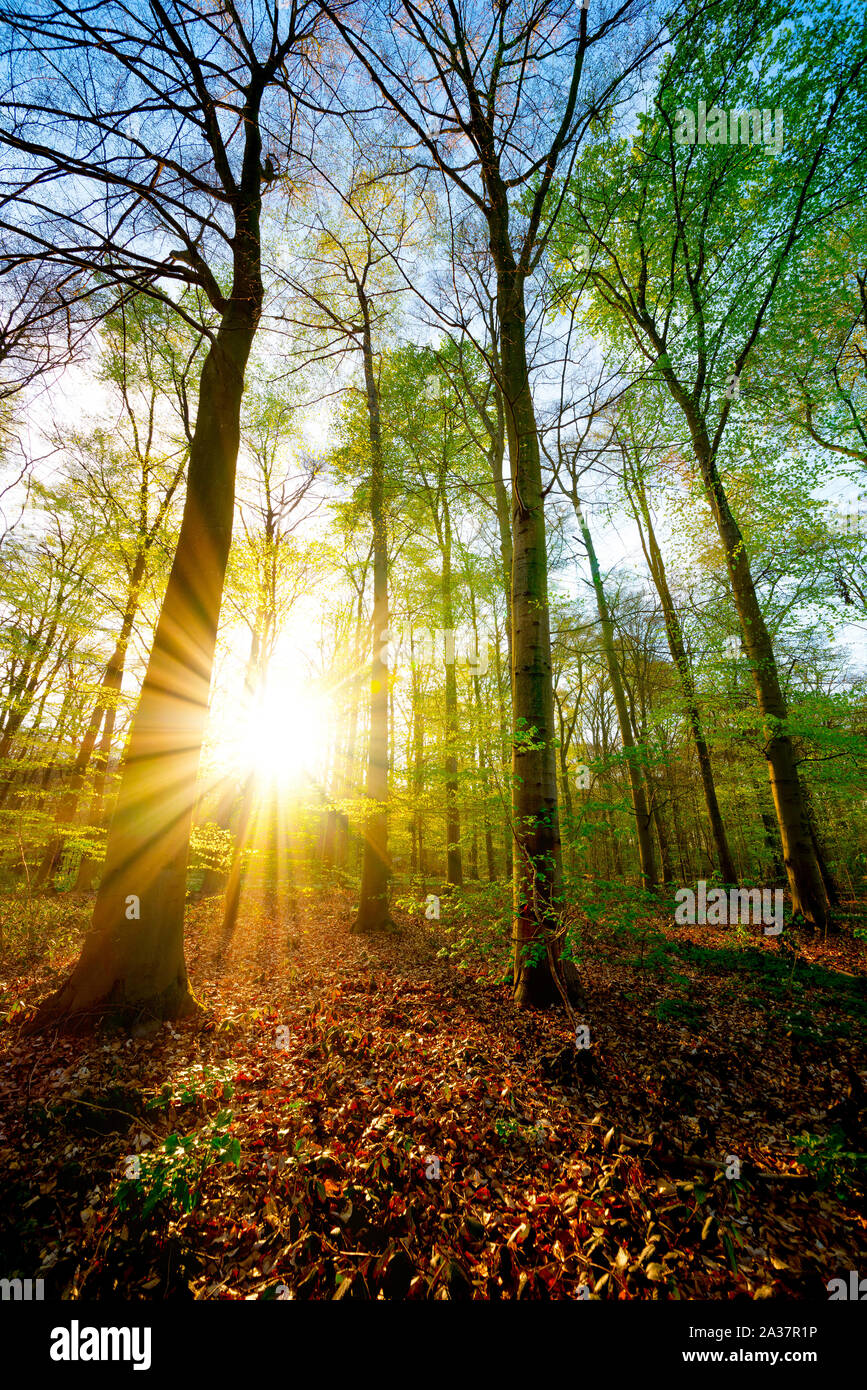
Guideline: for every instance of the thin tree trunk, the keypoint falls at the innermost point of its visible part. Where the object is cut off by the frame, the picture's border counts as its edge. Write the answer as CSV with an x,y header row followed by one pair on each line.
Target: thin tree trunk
x,y
348,786
497,456
484,774
647,861
232,899
677,647
107,695
662,837
821,859
504,759
454,859
418,773
565,739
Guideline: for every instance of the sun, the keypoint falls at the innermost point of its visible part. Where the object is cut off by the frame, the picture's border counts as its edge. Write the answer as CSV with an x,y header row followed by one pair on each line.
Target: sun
x,y
284,735
281,733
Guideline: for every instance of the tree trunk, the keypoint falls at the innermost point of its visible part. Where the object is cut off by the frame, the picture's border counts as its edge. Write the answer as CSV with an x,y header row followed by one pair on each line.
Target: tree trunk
x,y
821,859
348,785
232,899
676,646
418,774
133,957
454,858
662,836
107,695
504,749
805,880
21,699
496,458
537,920
568,809
373,913
484,776
647,861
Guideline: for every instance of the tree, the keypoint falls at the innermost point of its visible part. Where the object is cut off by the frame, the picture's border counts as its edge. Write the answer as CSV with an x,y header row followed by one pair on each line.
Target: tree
x,y
633,444
497,101
344,300
129,473
272,575
659,225
168,201
569,466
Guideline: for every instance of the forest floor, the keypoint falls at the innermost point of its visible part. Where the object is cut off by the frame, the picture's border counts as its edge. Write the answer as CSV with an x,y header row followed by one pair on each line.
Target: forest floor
x,y
360,1117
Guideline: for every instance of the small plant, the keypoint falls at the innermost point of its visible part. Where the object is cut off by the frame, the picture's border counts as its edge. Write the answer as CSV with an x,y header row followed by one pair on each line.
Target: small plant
x,y
507,1130
656,961
173,1174
679,1011
200,1083
829,1158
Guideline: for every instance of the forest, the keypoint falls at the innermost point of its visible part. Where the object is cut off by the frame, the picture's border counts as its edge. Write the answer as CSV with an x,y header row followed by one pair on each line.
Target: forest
x,y
433,698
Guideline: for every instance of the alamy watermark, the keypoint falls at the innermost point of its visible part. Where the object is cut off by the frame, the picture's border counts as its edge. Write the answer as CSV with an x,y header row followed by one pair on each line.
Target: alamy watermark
x,y
855,1289
848,523
22,1290
719,908
424,645
733,127
77,1343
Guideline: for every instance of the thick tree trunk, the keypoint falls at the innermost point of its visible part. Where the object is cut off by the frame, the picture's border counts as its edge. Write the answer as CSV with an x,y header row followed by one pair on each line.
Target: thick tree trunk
x,y
133,957
373,912
537,905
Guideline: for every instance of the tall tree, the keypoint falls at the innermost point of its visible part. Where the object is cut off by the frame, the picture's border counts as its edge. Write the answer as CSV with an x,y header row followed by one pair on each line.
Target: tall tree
x,y
343,301
498,101
656,226
633,443
168,201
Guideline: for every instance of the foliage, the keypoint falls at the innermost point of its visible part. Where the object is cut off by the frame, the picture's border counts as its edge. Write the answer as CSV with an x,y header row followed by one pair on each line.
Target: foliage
x,y
172,1176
